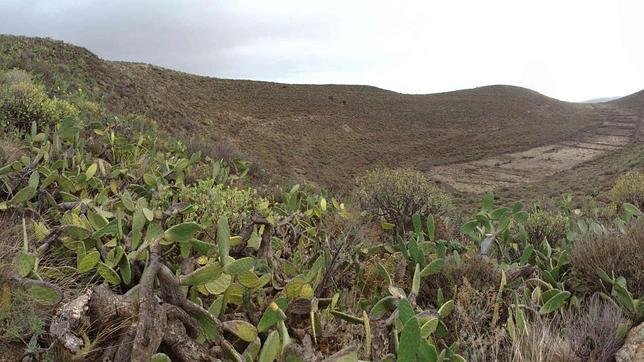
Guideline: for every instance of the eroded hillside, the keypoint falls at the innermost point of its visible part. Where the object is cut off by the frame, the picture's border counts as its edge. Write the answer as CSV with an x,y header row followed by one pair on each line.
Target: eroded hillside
x,y
323,133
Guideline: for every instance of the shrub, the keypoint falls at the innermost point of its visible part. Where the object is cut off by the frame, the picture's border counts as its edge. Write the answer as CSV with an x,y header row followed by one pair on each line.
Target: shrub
x,y
15,76
629,188
21,104
481,274
397,194
545,225
217,150
618,254
470,324
212,201
372,281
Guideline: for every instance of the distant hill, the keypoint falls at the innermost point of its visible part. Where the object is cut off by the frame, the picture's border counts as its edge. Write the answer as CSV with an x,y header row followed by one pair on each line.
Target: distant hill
x,y
601,100
324,133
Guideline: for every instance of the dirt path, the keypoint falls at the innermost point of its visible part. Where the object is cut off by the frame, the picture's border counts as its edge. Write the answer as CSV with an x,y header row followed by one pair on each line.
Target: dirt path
x,y
538,163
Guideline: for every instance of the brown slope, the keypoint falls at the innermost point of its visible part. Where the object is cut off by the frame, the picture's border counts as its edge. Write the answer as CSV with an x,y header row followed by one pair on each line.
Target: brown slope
x,y
324,133
634,102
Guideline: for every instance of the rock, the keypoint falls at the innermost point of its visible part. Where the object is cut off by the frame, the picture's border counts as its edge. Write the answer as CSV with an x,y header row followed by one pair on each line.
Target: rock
x,y
633,349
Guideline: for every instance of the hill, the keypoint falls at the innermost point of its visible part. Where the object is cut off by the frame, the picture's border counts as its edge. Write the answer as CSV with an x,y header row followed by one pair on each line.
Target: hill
x,y
323,133
634,102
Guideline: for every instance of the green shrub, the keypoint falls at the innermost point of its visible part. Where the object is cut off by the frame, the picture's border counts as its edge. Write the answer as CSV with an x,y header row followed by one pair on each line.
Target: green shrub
x,y
629,188
398,194
211,201
21,104
619,254
542,225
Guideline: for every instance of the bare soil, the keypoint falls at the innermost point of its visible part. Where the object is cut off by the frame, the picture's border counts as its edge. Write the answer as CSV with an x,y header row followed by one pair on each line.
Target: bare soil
x,y
539,163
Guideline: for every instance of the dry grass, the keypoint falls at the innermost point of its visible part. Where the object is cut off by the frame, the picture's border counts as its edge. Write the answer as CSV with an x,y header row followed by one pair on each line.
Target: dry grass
x,y
10,242
9,151
480,274
542,343
217,150
592,330
471,321
616,254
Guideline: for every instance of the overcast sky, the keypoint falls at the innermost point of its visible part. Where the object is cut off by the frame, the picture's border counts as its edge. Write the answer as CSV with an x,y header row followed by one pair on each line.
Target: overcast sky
x,y
568,49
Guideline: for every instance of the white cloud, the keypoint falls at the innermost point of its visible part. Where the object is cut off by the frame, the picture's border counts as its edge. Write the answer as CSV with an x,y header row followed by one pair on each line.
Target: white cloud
x,y
572,50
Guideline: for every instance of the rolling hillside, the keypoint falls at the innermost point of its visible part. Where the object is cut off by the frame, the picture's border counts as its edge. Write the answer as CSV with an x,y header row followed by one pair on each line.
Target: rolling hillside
x,y
327,134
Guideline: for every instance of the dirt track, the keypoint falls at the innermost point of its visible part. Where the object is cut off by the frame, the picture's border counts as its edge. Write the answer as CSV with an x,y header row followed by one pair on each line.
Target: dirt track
x,y
617,129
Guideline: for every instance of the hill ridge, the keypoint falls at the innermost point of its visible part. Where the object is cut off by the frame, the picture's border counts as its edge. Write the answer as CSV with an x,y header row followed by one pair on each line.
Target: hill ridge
x,y
327,134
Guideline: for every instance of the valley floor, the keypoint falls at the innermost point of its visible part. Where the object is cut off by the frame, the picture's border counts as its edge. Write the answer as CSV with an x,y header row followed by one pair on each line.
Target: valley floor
x,y
616,130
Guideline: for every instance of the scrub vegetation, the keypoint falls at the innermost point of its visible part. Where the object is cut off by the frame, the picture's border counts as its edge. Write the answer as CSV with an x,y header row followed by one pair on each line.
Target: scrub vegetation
x,y
124,241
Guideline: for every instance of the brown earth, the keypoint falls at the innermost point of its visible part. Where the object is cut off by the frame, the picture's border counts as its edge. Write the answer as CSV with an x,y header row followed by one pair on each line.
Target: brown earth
x,y
328,134
540,163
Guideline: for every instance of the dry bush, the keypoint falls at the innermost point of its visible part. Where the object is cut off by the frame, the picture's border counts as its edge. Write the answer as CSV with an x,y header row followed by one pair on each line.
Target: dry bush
x,y
470,323
542,343
629,188
371,281
479,273
619,254
258,172
592,330
217,150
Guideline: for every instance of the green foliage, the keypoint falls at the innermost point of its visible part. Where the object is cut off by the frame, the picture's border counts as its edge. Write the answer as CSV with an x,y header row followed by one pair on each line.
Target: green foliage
x,y
623,297
418,332
629,188
398,194
502,227
23,103
542,225
210,201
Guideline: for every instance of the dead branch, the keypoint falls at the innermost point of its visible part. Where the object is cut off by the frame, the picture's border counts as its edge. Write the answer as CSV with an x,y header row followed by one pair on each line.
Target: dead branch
x,y
151,319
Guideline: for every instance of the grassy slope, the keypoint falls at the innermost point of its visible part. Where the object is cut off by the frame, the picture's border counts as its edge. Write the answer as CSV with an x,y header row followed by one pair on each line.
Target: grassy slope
x,y
323,133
